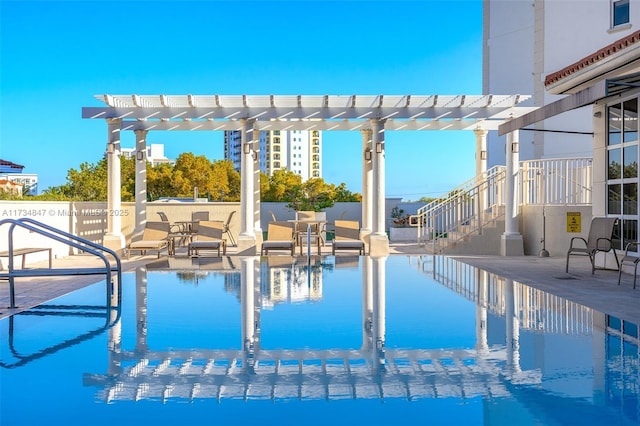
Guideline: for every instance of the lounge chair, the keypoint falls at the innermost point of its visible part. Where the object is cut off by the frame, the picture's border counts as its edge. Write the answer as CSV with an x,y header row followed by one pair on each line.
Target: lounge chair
x,y
154,237
279,237
227,229
347,236
208,238
599,240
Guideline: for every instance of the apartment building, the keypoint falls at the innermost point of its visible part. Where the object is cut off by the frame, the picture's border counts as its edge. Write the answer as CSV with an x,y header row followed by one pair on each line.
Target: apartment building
x,y
296,150
155,154
587,55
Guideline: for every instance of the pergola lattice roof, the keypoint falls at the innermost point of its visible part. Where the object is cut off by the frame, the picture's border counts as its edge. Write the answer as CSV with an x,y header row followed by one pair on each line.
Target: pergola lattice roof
x,y
308,112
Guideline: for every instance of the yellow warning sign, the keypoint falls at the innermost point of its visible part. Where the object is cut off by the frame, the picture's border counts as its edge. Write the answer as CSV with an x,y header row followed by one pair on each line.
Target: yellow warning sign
x,y
573,222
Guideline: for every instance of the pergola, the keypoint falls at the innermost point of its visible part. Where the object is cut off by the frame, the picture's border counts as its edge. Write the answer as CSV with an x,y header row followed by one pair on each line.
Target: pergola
x,y
372,115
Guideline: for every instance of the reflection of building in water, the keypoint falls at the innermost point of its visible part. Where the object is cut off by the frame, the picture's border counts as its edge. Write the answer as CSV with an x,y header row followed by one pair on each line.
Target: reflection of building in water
x,y
287,281
520,357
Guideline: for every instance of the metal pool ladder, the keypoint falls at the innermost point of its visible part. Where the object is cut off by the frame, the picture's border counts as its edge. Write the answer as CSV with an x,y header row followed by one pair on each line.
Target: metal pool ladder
x,y
65,238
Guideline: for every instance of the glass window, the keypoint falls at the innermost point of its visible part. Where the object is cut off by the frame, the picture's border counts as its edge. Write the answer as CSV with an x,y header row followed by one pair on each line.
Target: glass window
x,y
615,124
615,164
630,161
613,199
630,191
629,233
631,120
620,12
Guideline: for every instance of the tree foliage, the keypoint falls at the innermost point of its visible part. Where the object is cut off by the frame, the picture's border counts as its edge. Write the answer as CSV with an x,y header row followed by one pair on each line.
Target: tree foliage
x,y
217,181
314,194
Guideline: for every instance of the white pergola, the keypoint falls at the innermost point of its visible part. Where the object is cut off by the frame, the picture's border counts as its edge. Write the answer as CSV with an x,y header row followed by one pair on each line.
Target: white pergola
x,y
372,115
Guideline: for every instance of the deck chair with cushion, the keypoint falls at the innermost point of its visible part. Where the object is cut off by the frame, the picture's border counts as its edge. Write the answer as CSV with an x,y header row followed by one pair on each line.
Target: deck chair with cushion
x,y
154,237
599,240
279,237
208,238
347,236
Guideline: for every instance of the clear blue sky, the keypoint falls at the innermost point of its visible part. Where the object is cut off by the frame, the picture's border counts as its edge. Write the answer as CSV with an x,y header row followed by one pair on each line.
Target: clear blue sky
x,y
56,55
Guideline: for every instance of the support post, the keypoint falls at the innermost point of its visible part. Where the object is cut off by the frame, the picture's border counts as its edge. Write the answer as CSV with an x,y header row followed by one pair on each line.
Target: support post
x,y
481,166
246,238
141,181
113,238
511,243
367,183
379,241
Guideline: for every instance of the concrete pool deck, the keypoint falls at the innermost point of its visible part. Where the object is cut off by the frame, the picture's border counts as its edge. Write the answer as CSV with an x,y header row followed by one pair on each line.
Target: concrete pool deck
x,y
599,291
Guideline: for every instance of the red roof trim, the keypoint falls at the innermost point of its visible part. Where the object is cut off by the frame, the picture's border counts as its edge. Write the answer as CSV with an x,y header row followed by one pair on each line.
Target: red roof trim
x,y
593,58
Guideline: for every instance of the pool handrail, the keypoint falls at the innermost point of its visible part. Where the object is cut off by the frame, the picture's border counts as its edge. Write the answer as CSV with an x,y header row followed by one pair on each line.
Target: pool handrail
x,y
71,240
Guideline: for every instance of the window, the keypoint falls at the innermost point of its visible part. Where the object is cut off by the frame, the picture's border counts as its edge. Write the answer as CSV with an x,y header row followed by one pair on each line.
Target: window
x,y
619,12
622,169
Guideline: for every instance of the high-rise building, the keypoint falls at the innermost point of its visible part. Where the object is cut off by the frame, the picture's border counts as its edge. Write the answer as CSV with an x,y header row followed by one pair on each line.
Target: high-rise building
x,y
155,154
299,151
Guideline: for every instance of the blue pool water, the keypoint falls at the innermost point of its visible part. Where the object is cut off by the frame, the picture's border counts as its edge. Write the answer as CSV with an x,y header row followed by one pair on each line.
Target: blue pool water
x,y
397,340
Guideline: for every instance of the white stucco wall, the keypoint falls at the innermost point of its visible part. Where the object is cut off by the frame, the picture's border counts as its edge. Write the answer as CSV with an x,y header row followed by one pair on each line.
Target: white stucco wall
x,y
526,41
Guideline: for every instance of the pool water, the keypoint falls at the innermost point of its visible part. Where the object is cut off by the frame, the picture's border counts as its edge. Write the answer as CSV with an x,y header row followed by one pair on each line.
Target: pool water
x,y
332,340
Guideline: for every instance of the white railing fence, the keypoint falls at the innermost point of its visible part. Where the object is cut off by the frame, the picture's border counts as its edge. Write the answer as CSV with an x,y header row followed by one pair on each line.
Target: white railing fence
x,y
468,208
555,181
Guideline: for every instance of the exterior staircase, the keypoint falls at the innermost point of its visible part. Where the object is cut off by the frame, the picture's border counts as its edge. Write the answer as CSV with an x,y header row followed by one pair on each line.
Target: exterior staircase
x,y
470,218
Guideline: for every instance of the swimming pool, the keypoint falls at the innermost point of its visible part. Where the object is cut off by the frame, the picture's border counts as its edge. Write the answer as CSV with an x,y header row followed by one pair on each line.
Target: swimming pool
x,y
332,340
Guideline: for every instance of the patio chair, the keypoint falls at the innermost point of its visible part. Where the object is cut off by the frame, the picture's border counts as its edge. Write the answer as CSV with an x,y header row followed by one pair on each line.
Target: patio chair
x,y
308,228
196,217
628,258
279,237
347,236
599,240
208,238
164,218
227,229
154,237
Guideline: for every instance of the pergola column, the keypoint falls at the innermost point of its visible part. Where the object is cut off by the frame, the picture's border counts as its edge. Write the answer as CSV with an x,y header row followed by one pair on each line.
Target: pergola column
x,y
257,228
511,243
512,323
141,180
367,183
379,328
247,238
367,303
481,169
247,290
481,150
113,238
378,242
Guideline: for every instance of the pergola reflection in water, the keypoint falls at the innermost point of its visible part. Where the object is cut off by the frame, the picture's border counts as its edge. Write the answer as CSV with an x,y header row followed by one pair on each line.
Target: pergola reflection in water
x,y
371,371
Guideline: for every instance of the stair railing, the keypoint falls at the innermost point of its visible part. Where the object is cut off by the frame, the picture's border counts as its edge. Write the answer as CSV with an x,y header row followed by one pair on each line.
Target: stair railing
x,y
463,211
